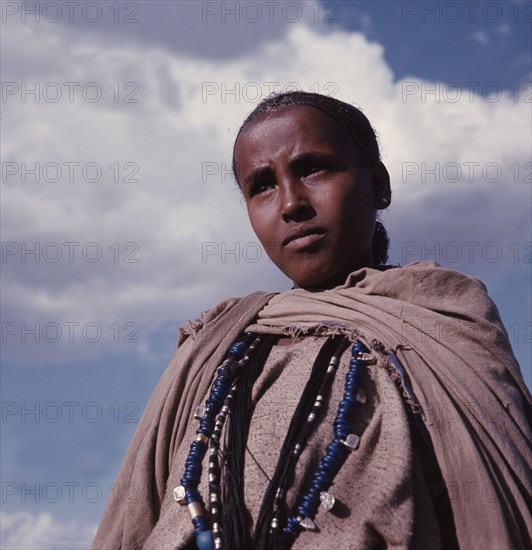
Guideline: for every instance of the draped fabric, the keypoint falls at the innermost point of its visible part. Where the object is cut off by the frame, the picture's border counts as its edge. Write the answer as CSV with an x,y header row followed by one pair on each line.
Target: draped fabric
x,y
448,335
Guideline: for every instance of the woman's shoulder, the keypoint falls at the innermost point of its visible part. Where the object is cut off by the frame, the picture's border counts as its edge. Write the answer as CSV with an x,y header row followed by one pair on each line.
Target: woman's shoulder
x,y
421,270
227,309
428,285
421,278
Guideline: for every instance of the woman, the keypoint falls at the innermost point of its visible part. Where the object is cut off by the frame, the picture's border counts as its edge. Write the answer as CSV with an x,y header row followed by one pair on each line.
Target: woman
x,y
314,418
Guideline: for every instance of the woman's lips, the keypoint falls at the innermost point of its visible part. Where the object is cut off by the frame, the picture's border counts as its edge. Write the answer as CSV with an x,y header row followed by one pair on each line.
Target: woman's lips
x,y
305,241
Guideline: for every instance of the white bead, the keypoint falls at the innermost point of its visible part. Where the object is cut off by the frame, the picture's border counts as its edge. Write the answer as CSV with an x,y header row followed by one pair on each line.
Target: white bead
x,y
179,494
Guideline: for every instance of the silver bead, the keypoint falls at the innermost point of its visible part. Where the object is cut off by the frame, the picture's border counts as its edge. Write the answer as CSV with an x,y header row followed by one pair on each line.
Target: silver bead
x,y
200,412
352,441
195,509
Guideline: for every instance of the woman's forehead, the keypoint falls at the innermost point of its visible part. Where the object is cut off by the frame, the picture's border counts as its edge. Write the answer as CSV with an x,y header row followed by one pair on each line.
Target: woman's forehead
x,y
302,114
292,122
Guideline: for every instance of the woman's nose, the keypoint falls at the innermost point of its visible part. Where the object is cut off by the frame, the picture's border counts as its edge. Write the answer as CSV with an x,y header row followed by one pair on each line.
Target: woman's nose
x,y
295,202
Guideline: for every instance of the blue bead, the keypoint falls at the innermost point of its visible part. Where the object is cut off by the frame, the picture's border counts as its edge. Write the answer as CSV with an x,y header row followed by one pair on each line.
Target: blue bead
x,y
293,527
200,524
323,480
358,347
205,540
328,459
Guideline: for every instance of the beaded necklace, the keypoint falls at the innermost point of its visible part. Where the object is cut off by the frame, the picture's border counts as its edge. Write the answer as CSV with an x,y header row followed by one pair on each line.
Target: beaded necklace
x,y
212,416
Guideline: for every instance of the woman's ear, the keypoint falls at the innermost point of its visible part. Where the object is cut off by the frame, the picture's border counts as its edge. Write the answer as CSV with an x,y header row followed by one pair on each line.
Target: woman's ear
x,y
380,181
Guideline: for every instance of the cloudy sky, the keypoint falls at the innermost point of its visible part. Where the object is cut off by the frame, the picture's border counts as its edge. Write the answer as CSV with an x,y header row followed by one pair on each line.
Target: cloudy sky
x,y
120,219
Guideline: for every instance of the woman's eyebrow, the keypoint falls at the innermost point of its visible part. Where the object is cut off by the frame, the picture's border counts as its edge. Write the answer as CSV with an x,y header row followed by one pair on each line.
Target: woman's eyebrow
x,y
311,156
257,173
296,162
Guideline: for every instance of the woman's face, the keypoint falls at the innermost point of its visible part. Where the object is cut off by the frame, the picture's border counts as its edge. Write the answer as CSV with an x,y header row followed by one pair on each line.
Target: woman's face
x,y
310,202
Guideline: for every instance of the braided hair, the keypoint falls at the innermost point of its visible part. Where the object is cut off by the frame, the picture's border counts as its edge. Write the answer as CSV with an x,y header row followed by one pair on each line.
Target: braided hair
x,y
351,122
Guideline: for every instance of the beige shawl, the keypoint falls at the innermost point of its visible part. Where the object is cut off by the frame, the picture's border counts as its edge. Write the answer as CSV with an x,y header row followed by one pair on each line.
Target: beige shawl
x,y
448,335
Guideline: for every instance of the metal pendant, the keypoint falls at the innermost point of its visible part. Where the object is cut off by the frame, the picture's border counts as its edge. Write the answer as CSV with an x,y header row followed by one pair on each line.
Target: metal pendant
x,y
327,500
308,524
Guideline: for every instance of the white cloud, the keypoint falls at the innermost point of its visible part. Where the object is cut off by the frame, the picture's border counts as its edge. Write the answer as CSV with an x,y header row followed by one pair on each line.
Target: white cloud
x,y
504,28
481,37
25,531
181,222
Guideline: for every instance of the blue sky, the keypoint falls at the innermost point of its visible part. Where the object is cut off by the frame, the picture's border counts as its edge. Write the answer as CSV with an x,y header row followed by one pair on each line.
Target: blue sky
x,y
449,41
175,82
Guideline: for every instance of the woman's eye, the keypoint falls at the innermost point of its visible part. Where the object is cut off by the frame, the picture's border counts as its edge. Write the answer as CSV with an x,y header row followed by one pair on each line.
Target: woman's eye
x,y
313,169
260,187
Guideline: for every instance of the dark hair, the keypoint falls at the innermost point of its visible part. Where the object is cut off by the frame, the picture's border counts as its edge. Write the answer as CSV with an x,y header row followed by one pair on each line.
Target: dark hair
x,y
352,122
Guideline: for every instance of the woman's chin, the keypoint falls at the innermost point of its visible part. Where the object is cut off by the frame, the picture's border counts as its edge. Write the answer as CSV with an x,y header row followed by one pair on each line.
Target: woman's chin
x,y
314,278
316,283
